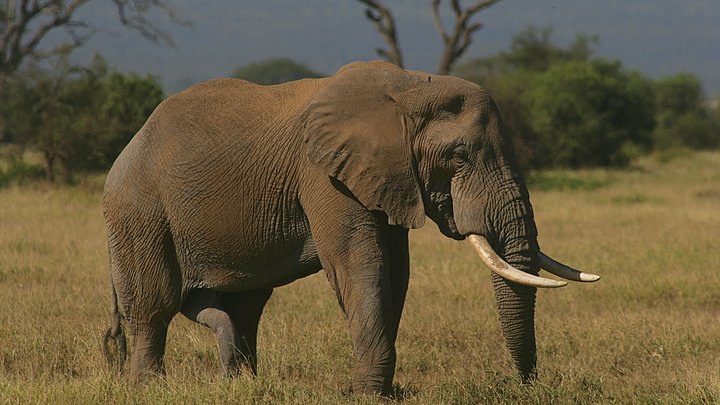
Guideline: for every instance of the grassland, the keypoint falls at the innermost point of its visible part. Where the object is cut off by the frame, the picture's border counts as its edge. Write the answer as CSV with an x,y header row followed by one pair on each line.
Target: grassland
x,y
648,332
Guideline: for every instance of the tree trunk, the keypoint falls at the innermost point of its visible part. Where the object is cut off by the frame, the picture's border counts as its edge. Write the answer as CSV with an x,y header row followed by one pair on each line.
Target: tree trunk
x,y
49,166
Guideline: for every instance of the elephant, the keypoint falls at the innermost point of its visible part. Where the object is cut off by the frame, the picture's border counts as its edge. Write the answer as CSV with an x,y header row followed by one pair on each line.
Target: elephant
x,y
231,189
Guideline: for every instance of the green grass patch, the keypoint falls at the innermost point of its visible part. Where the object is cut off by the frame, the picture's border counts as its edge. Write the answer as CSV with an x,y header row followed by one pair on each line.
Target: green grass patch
x,y
19,172
567,181
635,198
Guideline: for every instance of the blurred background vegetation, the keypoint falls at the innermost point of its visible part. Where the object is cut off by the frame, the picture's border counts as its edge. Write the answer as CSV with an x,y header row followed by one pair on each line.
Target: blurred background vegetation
x,y
563,106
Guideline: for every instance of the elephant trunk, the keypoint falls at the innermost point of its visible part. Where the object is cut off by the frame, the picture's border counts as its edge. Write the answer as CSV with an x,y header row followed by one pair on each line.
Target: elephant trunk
x,y
516,309
517,245
504,235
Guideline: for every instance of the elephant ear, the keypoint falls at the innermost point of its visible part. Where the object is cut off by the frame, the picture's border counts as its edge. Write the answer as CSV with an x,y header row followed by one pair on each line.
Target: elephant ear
x,y
357,133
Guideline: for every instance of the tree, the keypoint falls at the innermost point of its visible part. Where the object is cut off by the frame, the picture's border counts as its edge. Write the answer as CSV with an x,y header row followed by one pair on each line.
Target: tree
x,y
41,117
455,42
25,23
78,119
531,50
534,50
123,105
679,94
385,25
511,75
274,71
589,114
563,107
682,118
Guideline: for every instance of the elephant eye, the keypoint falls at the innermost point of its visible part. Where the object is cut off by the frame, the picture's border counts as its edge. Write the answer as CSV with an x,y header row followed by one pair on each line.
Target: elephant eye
x,y
459,155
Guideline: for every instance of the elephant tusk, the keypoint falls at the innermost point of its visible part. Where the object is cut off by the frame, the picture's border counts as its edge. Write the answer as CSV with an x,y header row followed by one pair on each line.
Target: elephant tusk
x,y
506,271
564,271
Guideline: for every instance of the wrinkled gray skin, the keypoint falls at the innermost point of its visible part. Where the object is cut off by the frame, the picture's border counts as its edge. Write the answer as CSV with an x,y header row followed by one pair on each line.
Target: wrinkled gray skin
x,y
232,189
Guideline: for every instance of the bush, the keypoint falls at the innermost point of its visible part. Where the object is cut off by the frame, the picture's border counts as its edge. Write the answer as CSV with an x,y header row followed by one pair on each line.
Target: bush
x,y
274,71
13,169
77,119
589,114
683,120
563,108
696,130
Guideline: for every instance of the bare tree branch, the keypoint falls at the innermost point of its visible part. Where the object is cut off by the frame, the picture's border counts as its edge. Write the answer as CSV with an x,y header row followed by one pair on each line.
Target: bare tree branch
x,y
456,43
457,8
60,17
25,23
133,13
434,5
384,22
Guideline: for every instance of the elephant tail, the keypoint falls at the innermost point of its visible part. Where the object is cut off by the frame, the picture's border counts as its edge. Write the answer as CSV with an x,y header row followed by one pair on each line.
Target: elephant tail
x,y
115,356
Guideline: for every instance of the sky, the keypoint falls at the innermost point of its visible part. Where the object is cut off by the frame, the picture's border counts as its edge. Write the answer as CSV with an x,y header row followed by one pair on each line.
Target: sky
x,y
658,37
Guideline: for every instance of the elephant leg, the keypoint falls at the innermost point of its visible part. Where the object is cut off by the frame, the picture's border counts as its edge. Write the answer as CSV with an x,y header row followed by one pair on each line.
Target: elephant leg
x,y
354,255
148,349
399,272
147,277
364,294
245,309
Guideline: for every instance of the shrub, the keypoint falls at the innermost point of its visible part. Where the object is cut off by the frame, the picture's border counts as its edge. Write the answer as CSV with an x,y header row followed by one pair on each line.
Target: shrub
x,y
589,114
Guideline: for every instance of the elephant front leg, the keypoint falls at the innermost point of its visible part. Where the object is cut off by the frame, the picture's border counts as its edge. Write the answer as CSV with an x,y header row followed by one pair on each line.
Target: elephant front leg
x,y
368,307
353,245
360,273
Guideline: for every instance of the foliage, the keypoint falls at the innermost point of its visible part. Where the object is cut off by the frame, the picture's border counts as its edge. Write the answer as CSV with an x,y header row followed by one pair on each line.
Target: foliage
x,y
564,108
14,169
79,119
584,113
532,50
275,71
128,101
682,118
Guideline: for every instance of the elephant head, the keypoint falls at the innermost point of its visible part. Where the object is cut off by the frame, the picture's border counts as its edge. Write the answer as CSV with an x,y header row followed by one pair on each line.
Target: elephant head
x,y
411,145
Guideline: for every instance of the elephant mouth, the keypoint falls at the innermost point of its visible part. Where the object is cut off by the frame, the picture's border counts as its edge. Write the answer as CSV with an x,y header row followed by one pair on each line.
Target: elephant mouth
x,y
443,215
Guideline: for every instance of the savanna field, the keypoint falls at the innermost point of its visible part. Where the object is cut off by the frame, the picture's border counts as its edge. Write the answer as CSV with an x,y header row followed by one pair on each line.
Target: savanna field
x,y
648,332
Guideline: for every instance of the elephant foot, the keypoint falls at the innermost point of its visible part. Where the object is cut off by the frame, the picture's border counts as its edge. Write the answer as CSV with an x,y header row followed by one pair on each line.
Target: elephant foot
x,y
240,369
528,377
372,387
350,390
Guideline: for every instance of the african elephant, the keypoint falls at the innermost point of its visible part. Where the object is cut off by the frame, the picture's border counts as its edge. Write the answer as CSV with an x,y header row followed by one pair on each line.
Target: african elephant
x,y
231,189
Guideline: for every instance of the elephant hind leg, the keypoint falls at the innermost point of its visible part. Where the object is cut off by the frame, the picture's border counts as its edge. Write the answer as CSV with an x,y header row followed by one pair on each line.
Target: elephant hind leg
x,y
148,349
234,318
147,279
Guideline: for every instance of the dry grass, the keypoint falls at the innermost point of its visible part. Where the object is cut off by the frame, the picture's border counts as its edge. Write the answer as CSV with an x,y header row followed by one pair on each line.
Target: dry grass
x,y
648,332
